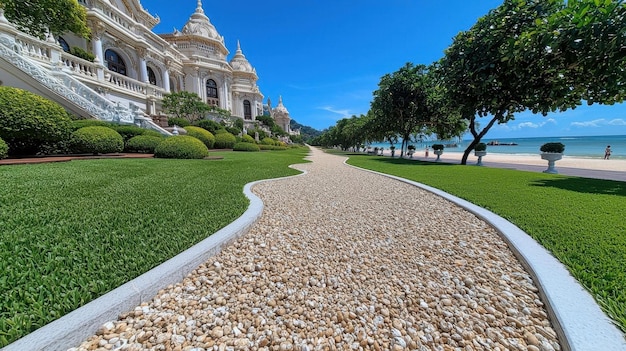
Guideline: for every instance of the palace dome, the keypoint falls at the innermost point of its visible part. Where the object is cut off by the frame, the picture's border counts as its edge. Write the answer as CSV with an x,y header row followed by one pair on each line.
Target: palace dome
x,y
240,63
200,25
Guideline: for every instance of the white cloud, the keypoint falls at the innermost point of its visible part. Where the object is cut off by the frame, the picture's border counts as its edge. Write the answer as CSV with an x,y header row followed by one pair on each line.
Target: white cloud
x,y
343,113
617,122
534,125
594,123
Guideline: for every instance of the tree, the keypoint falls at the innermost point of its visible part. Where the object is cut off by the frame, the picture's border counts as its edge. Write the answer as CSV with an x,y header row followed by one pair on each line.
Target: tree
x,y
185,105
538,55
409,101
37,17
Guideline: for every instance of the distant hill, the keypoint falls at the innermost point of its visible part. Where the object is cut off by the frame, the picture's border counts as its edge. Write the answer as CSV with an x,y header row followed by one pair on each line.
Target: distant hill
x,y
306,132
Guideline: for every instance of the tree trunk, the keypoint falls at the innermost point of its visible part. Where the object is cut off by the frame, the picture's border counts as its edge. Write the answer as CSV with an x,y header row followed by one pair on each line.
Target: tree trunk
x,y
478,136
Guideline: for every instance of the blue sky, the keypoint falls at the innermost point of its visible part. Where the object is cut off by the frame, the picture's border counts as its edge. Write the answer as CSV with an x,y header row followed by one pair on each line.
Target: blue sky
x,y
326,57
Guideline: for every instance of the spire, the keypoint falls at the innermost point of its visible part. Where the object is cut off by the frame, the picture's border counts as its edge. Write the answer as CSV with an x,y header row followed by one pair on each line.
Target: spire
x,y
199,7
280,99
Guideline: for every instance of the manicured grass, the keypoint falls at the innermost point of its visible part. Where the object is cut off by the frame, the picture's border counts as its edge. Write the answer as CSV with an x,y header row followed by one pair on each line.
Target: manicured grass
x,y
580,220
72,231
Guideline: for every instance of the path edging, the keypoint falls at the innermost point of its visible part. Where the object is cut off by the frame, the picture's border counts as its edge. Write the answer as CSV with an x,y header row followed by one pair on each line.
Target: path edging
x,y
75,327
579,322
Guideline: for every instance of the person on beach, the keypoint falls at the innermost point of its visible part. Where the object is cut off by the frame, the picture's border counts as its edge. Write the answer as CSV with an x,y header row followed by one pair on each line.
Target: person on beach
x,y
426,152
607,152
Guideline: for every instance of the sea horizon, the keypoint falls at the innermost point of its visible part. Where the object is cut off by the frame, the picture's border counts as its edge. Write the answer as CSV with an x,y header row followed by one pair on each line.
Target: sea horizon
x,y
575,146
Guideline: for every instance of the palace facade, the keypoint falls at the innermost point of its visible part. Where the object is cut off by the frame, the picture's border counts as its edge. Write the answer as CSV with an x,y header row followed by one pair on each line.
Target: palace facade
x,y
133,67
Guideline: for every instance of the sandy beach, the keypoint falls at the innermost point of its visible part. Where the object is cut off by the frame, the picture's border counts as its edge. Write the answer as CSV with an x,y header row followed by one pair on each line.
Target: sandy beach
x,y
494,160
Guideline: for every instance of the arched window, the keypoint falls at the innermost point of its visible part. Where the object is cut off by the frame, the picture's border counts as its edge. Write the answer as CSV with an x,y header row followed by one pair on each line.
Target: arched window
x,y
64,44
114,62
211,93
151,77
247,110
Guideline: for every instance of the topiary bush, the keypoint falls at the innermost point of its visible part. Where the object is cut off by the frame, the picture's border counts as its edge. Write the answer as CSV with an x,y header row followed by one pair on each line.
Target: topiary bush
x,y
97,140
202,134
145,144
4,149
225,141
272,147
246,147
30,123
181,146
209,125
81,123
220,131
233,130
267,141
247,139
181,122
129,131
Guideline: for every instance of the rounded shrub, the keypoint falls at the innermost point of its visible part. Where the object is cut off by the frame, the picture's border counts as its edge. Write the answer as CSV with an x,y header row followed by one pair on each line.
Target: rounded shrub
x,y
247,139
220,131
97,140
267,141
29,123
225,141
272,147
82,123
4,149
181,122
233,130
143,144
202,134
246,147
181,146
129,131
209,125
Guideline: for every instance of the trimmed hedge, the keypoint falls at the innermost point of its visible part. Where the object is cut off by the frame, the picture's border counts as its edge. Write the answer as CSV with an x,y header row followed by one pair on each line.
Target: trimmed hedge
x,y
4,149
81,123
209,125
30,123
181,122
181,146
220,131
246,147
201,134
145,144
97,140
247,139
225,141
129,131
267,141
272,147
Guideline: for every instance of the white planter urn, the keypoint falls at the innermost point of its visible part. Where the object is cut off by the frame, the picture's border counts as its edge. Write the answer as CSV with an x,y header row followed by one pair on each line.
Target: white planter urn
x,y
480,155
438,153
552,157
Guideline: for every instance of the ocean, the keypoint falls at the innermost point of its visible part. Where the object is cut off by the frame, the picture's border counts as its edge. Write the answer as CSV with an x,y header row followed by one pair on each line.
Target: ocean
x,y
578,146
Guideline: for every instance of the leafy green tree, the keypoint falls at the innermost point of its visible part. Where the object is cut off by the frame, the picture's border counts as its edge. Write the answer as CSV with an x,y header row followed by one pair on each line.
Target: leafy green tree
x,y
538,55
36,17
185,105
409,101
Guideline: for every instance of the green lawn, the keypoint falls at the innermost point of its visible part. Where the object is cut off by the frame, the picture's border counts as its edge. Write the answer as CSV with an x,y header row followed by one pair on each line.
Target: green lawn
x,y
580,220
72,231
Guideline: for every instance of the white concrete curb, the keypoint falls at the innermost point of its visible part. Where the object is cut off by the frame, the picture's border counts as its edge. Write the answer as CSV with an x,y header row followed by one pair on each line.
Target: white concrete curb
x,y
579,322
75,327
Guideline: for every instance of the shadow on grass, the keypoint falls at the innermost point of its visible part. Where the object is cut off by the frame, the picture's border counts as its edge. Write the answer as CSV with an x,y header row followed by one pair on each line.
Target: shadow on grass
x,y
401,161
585,185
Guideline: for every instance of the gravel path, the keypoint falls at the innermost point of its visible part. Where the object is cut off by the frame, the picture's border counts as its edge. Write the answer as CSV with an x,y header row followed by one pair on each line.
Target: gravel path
x,y
334,264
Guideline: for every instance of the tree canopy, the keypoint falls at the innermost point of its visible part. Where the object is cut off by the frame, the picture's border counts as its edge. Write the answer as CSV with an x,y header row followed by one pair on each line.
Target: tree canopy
x,y
37,17
537,55
185,105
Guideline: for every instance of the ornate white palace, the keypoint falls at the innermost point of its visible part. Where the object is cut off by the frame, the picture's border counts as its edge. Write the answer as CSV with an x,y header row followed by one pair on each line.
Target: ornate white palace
x,y
133,67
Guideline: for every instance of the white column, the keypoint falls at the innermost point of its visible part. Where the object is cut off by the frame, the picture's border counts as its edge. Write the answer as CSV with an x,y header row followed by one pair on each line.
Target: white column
x,y
143,70
226,96
166,80
96,47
